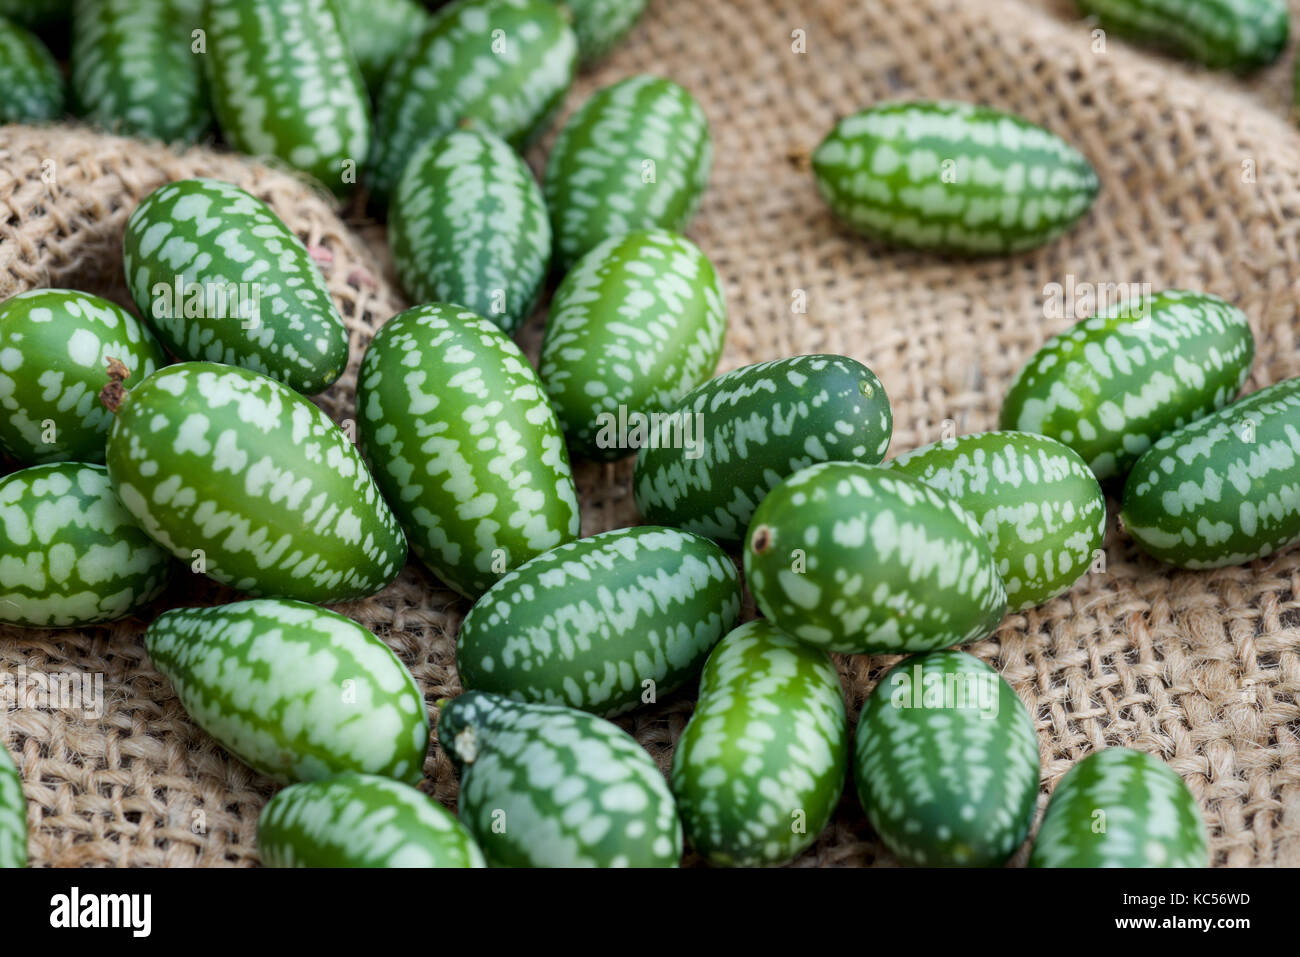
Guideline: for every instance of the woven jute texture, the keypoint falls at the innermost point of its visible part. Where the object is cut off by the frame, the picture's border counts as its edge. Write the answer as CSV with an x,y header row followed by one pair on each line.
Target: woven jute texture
x,y
1201,189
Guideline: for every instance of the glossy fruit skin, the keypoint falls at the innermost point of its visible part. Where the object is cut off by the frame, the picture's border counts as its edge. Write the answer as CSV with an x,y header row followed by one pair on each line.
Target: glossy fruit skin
x,y
1035,499
760,767
70,554
1121,808
605,624
636,155
859,559
634,326
1008,185
946,762
468,225
232,463
361,820
758,424
1223,490
1238,35
30,77
376,32
601,24
217,238
457,430
296,692
54,346
548,786
13,814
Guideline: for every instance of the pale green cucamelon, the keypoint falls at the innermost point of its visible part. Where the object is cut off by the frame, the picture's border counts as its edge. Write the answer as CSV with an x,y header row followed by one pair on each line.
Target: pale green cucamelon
x,y
601,24
376,31
29,76
13,814
1236,35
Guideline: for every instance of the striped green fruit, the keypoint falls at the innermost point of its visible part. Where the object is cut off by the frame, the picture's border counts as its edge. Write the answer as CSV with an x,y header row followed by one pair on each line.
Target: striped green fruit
x,y
637,155
376,31
861,559
504,64
285,84
296,692
952,177
1036,500
1111,385
221,279
253,485
361,820
605,623
727,443
548,786
760,767
946,762
13,814
468,225
29,76
54,346
1220,34
1224,490
633,327
601,24
455,424
1121,808
69,553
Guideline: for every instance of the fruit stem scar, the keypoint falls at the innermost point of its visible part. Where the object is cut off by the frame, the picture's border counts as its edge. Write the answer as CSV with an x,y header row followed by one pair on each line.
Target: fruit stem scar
x,y
114,392
762,539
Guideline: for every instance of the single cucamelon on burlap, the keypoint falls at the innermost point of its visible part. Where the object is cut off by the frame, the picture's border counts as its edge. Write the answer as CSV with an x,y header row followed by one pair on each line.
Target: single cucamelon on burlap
x,y
29,76
1237,35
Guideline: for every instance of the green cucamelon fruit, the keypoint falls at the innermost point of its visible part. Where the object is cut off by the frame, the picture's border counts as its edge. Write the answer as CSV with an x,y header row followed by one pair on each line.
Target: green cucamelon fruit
x,y
1109,386
221,279
727,443
760,767
13,814
601,24
605,624
861,559
456,427
549,786
29,76
296,692
376,32
952,177
54,346
250,483
1121,808
1223,490
69,553
1239,35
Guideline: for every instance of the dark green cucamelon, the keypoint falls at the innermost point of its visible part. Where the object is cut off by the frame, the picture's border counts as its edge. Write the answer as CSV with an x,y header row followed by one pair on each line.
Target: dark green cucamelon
x,y
760,767
1223,490
727,443
1236,35
54,346
861,559
13,814
455,424
29,76
1121,808
952,177
377,30
296,692
605,623
250,483
601,24
548,786
946,762
221,279
1111,385
69,553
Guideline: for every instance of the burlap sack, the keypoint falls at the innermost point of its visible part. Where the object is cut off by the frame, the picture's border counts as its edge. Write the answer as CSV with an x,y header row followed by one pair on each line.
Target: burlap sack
x,y
1201,188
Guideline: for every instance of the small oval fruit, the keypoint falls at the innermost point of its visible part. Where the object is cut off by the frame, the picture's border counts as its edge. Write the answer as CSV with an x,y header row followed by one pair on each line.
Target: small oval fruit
x,y
601,24
1242,35
296,692
727,443
13,813
548,786
29,76
377,30
604,624
1151,818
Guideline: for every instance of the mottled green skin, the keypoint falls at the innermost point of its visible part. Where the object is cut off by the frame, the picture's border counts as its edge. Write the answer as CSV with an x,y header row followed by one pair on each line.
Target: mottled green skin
x,y
54,346
456,427
29,76
760,424
637,323
296,692
468,225
1111,385
1236,35
1224,490
376,31
212,234
548,786
605,623
1035,499
861,559
601,24
952,177
13,814
361,820
946,762
760,767
1121,808
223,460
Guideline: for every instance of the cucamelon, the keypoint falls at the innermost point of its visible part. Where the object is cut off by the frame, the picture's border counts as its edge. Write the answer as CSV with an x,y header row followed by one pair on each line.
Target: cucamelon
x,y
29,76
1236,35
601,24
13,814
377,30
